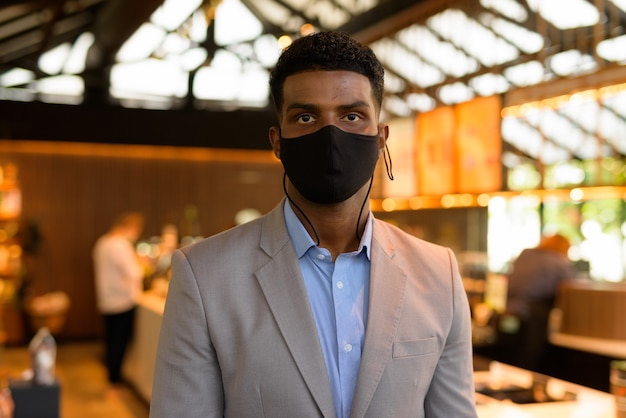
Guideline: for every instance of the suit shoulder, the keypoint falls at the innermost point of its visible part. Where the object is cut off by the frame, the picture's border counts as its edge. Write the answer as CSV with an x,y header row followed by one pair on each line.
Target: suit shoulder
x,y
233,238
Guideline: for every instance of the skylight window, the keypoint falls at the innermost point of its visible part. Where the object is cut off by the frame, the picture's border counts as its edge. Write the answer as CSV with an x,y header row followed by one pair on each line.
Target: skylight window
x,y
613,49
528,41
566,14
329,15
420,102
75,62
489,84
173,43
441,54
198,28
16,77
469,35
571,62
523,136
142,43
52,61
526,74
397,106
234,23
65,89
279,15
509,8
151,77
405,64
191,59
455,93
224,84
267,50
173,13
393,84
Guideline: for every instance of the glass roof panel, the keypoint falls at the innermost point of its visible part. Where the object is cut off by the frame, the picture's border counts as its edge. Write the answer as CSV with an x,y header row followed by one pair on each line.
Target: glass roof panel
x,y
397,106
15,77
571,62
174,43
327,13
75,63
407,65
62,85
566,14
142,43
613,49
279,15
266,50
473,48
197,29
526,74
442,55
235,23
455,93
472,37
489,84
528,41
52,61
173,13
191,59
509,8
151,76
521,135
393,84
420,102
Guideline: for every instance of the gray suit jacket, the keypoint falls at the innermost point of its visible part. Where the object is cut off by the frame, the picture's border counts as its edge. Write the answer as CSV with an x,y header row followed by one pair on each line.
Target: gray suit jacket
x,y
239,340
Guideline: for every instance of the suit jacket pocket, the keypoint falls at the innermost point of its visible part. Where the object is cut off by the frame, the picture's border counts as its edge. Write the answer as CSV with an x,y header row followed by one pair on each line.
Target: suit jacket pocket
x,y
402,349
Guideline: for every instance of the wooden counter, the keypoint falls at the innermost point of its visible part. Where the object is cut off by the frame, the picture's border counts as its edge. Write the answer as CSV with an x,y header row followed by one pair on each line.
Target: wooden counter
x,y
138,367
589,317
593,309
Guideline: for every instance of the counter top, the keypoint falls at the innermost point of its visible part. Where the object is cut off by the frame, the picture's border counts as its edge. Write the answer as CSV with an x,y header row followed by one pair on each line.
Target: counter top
x,y
569,400
602,346
152,302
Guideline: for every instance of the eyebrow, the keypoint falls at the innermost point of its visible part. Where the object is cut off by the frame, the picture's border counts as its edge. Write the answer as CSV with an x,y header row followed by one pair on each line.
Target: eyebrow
x,y
306,106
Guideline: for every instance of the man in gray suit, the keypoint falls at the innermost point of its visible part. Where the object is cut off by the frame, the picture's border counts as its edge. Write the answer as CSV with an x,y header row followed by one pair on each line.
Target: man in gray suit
x,y
317,309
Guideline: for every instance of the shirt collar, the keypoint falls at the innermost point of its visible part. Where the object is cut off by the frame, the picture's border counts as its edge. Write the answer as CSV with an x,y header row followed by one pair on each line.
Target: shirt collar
x,y
302,241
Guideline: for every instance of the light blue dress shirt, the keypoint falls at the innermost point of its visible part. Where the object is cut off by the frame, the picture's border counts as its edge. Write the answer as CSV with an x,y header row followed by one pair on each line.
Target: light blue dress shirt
x,y
339,297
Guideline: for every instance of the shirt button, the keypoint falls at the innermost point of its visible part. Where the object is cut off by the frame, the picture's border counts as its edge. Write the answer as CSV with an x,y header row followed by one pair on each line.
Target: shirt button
x,y
321,256
347,348
340,285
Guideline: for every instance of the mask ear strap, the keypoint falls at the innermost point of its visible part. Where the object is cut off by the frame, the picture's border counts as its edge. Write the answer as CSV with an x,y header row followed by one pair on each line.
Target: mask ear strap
x,y
388,166
317,238
358,220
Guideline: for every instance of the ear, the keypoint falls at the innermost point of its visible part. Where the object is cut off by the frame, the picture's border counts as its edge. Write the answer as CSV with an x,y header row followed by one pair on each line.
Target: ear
x,y
383,134
274,136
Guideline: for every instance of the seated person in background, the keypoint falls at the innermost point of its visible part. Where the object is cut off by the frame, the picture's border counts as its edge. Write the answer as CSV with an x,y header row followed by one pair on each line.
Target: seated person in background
x,y
533,283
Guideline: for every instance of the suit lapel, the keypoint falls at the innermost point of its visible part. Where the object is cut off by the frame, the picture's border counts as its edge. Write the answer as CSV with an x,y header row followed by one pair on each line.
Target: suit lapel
x,y
387,294
283,287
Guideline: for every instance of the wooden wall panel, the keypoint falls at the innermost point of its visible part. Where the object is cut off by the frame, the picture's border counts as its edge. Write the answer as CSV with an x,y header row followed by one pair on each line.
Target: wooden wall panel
x,y
73,195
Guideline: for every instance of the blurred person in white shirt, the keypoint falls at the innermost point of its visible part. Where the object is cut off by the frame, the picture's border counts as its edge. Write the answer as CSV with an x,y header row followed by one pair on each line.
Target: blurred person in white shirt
x,y
119,274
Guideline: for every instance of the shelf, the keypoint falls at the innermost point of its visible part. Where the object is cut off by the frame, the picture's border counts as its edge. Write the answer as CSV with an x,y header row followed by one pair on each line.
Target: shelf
x,y
467,200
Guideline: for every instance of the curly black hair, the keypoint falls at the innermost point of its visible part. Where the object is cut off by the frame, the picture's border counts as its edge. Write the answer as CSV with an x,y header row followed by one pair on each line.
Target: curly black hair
x,y
332,51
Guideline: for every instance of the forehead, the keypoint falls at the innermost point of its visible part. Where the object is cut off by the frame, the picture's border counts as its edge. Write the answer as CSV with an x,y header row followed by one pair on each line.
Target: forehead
x,y
326,87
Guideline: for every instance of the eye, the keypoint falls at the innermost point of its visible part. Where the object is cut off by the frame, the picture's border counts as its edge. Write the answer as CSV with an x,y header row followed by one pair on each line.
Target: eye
x,y
305,118
353,117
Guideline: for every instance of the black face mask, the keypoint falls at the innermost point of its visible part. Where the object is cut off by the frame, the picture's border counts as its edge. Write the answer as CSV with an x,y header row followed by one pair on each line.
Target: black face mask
x,y
329,165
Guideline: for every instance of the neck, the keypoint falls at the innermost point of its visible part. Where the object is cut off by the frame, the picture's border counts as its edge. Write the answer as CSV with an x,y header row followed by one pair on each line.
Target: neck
x,y
335,225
